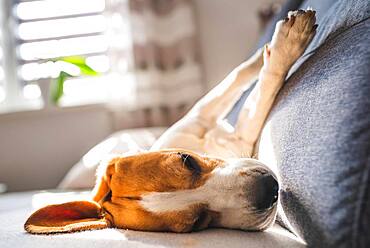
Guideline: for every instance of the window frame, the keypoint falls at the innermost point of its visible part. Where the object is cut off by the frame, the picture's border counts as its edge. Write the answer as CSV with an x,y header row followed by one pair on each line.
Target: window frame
x,y
13,82
12,87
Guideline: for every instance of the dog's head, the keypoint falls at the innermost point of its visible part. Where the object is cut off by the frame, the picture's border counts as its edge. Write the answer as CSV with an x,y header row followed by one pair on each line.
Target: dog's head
x,y
170,190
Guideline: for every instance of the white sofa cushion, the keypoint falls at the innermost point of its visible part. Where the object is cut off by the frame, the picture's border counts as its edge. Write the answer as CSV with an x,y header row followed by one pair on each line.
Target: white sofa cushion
x,y
16,207
82,174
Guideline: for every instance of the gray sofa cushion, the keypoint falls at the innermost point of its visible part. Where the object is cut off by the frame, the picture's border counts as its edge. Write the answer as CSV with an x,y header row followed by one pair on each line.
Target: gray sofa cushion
x,y
333,17
318,133
317,137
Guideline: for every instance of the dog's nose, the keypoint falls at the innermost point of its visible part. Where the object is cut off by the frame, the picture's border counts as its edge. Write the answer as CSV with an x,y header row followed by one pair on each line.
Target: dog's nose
x,y
267,192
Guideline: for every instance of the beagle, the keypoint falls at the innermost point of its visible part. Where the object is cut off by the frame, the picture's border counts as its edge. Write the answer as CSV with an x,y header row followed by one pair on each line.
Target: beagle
x,y
199,173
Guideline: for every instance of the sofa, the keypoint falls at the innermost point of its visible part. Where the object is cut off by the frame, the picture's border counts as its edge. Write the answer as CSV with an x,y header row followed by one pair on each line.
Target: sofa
x,y
318,133
317,139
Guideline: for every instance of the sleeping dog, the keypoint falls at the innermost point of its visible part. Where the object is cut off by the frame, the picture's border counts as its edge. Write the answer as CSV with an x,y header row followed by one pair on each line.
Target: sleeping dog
x,y
199,173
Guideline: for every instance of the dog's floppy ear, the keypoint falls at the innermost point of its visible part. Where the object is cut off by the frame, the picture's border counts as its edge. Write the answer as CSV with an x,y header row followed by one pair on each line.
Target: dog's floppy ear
x,y
66,217
104,173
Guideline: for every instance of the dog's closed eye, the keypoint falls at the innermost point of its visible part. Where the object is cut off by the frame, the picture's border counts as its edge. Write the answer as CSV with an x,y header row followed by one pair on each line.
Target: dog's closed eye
x,y
191,163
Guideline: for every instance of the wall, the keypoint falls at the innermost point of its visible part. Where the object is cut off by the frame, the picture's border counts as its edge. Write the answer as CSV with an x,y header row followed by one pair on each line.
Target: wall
x,y
38,147
229,31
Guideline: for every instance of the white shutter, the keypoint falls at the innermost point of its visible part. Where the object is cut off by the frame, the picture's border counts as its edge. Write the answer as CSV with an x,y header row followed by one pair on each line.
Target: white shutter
x,y
37,31
49,29
2,74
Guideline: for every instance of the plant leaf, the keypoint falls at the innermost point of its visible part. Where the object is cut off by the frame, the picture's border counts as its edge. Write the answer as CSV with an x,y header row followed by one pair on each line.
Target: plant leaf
x,y
80,62
58,85
73,59
87,70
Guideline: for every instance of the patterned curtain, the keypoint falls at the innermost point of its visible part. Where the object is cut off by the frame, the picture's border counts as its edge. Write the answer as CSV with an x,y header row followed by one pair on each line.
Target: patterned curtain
x,y
163,59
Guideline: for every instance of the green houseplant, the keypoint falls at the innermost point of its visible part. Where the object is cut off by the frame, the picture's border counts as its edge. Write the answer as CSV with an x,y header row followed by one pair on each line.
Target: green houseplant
x,y
57,84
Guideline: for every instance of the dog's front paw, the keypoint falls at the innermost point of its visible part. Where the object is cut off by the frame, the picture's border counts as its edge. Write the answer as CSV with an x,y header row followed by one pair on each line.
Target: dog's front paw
x,y
291,38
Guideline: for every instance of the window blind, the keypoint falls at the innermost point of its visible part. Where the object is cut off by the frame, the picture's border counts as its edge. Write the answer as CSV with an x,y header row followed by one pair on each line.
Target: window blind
x,y
49,29
39,31
2,74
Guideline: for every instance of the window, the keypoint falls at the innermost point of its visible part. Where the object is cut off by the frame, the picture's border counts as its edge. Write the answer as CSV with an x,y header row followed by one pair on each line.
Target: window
x,y
42,30
2,89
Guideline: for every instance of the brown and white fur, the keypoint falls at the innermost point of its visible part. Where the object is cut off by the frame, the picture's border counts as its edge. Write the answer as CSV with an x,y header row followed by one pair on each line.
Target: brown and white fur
x,y
198,173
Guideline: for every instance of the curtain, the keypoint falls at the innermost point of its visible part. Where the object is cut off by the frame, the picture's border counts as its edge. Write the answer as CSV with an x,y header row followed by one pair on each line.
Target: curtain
x,y
166,59
163,59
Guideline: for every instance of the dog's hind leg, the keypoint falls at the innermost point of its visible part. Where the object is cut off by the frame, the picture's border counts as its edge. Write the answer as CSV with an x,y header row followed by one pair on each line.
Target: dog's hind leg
x,y
200,130
217,102
292,36
188,133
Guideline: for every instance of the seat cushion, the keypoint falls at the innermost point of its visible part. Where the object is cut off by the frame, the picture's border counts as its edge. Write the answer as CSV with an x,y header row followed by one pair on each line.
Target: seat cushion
x,y
318,134
16,207
333,17
82,174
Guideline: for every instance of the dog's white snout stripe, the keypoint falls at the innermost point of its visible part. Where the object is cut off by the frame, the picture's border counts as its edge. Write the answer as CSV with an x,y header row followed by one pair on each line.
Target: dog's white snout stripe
x,y
171,201
225,189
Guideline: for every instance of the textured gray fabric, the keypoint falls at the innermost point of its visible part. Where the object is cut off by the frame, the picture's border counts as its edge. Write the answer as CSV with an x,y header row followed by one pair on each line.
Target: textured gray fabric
x,y
331,23
333,17
336,15
320,131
